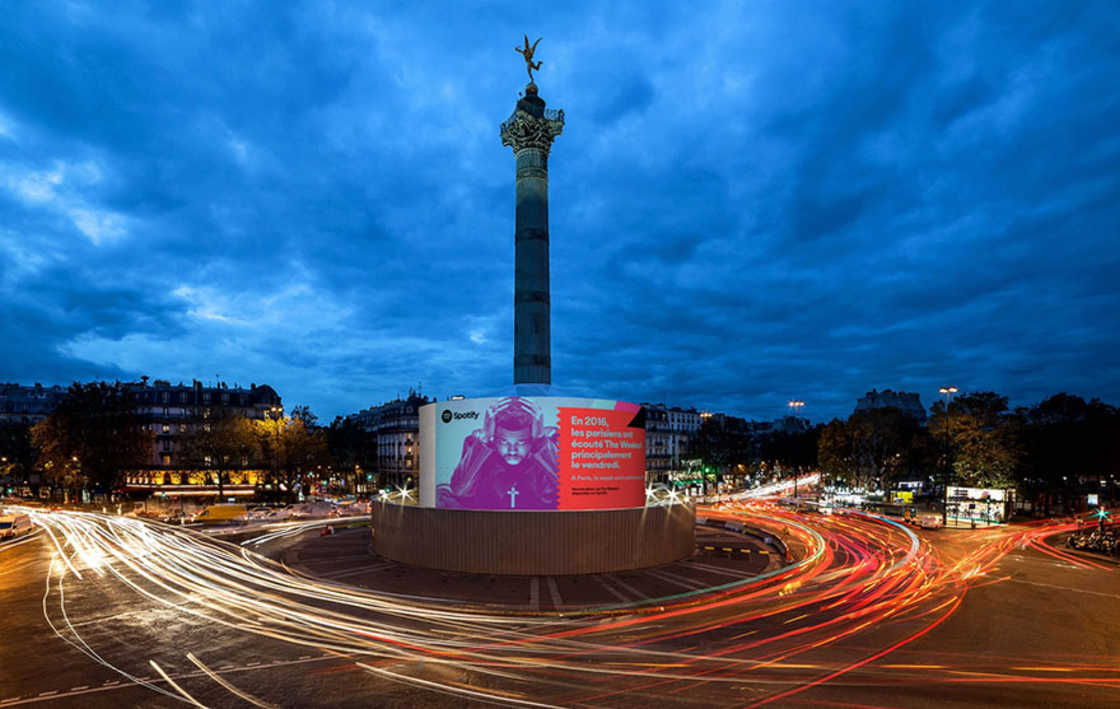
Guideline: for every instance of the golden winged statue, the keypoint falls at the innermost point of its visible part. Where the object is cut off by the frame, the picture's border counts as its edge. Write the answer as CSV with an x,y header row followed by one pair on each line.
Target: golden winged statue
x,y
527,52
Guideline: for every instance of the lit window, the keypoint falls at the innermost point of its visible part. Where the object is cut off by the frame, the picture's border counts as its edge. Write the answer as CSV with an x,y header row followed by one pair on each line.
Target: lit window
x,y
166,428
165,459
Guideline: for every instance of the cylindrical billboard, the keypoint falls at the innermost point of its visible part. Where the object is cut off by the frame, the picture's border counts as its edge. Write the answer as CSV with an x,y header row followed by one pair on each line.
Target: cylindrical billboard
x,y
532,453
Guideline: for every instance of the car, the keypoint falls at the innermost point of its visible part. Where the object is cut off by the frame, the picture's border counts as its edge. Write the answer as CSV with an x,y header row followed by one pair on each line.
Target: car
x,y
929,521
222,513
14,525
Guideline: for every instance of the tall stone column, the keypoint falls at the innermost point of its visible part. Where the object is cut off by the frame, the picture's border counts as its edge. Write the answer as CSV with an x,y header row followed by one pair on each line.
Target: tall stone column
x,y
530,132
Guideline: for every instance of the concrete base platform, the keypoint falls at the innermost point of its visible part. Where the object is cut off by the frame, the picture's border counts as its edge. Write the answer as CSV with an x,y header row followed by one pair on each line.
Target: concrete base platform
x,y
533,542
346,558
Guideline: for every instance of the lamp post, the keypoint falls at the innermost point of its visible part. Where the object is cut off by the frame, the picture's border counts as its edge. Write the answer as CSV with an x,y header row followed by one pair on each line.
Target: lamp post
x,y
796,405
947,392
275,415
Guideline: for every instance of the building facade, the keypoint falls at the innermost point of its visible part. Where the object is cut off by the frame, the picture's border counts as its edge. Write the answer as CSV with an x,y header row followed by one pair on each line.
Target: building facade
x,y
668,432
396,425
28,405
907,402
173,411
170,412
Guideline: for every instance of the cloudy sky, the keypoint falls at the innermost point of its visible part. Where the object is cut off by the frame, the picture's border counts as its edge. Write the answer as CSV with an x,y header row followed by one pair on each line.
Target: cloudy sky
x,y
750,202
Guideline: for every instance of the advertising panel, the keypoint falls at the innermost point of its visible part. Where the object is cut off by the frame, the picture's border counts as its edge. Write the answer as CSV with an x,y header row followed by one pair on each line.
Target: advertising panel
x,y
532,453
988,505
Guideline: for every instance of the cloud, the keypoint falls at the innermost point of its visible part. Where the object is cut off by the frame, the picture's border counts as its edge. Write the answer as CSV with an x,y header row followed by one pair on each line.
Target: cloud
x,y
749,203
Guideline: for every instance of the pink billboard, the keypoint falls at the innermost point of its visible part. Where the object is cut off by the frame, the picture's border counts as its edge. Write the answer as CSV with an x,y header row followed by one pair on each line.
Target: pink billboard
x,y
532,453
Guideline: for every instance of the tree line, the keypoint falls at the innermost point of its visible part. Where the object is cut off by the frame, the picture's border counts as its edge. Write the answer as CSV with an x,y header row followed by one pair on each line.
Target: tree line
x,y
94,438
1063,445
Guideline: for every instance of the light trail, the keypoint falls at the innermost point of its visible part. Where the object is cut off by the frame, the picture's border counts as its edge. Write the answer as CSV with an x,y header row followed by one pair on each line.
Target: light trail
x,y
858,576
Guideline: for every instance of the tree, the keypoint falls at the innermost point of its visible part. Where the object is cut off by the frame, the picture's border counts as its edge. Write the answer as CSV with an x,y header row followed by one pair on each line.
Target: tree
x,y
351,447
222,442
1069,444
303,413
720,444
834,453
795,450
875,447
92,437
984,439
289,450
17,455
882,443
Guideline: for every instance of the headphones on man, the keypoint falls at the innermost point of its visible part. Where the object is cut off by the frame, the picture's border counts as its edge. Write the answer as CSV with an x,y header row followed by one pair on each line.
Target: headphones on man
x,y
513,405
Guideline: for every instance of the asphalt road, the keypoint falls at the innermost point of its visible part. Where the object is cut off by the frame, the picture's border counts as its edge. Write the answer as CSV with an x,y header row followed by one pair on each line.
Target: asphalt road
x,y
872,616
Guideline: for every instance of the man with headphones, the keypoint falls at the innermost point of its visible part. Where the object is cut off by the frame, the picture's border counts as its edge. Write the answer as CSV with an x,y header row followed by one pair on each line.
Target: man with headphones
x,y
511,463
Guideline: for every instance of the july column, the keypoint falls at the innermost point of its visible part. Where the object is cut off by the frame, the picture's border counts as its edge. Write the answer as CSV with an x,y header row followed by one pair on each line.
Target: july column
x,y
530,132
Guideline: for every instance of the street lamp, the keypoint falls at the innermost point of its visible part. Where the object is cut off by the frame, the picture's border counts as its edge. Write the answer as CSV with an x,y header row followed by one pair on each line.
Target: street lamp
x,y
947,392
796,405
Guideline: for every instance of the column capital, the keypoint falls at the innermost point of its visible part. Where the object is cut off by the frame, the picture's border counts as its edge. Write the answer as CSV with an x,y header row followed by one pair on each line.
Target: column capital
x,y
523,130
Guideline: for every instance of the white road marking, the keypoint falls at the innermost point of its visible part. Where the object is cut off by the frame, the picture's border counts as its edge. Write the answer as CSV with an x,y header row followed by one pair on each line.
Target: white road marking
x,y
554,591
631,589
679,581
1067,588
613,591
535,593
115,685
334,559
354,572
716,570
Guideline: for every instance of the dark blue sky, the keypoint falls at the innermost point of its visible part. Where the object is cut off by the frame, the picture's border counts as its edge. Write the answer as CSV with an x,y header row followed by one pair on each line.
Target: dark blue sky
x,y
750,201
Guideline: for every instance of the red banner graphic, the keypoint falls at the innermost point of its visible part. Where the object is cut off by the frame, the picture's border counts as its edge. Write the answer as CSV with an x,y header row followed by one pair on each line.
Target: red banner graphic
x,y
602,459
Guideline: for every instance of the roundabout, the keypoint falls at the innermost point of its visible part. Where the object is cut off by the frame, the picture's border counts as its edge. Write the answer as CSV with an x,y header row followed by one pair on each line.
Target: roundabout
x,y
144,608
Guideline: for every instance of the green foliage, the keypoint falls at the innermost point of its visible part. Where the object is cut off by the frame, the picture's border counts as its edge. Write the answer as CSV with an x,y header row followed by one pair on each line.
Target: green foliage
x,y
790,449
92,437
220,442
351,446
726,443
289,449
303,413
874,448
984,439
17,455
1068,442
834,452
720,446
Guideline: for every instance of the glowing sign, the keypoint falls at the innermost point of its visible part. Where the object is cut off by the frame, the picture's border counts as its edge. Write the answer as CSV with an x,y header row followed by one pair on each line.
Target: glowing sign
x,y
532,453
